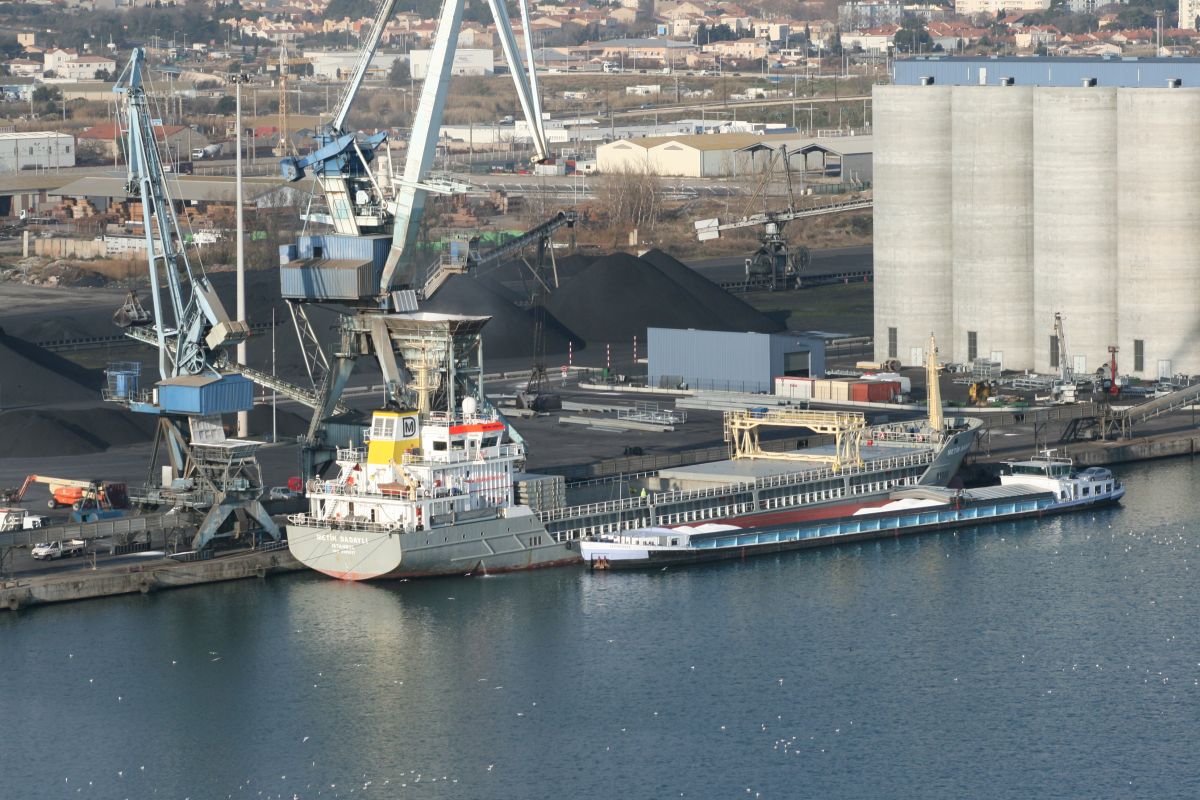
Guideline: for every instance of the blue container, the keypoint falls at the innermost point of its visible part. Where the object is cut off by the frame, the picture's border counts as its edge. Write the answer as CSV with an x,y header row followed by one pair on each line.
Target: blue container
x,y
206,394
125,384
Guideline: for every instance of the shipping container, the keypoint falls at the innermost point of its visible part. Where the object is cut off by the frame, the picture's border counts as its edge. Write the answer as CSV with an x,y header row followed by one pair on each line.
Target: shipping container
x,y
206,394
328,280
796,388
858,391
895,377
839,391
821,389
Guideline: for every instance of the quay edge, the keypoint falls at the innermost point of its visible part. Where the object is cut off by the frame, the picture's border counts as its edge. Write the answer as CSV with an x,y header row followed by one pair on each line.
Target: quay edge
x,y
86,584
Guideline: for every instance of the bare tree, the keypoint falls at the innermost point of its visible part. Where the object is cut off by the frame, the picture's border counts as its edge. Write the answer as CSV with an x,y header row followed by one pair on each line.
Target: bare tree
x,y
631,197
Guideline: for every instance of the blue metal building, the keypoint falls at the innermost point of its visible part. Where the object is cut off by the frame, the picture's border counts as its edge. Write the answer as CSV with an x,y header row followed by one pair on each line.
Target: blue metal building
x,y
730,361
1046,71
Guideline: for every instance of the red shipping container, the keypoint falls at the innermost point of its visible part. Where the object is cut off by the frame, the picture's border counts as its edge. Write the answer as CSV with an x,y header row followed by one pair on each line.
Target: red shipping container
x,y
860,392
882,391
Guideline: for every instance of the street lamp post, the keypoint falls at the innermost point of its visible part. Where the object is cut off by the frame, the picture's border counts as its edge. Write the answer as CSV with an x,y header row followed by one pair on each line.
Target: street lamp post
x,y
238,80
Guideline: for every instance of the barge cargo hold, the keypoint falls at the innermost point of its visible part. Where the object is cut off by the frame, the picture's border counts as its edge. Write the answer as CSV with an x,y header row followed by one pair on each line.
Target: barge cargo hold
x,y
1035,488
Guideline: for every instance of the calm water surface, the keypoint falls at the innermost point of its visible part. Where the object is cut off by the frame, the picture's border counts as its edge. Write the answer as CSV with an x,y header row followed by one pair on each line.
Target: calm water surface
x,y
1053,659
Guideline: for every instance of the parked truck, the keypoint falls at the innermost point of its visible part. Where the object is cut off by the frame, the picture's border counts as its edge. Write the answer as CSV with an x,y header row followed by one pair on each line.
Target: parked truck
x,y
207,153
48,551
18,519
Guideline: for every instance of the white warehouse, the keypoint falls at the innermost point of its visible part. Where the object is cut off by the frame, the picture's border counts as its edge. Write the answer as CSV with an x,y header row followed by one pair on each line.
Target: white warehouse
x,y
998,206
36,150
467,61
726,154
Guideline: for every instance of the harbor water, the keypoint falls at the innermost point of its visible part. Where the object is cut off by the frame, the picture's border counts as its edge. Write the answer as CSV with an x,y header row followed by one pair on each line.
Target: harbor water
x,y
1058,658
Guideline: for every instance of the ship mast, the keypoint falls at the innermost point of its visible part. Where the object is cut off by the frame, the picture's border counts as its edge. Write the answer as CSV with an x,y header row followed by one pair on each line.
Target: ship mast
x,y
934,390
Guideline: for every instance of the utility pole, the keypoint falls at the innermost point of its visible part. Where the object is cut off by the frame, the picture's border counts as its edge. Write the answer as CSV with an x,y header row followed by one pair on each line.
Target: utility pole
x,y
243,425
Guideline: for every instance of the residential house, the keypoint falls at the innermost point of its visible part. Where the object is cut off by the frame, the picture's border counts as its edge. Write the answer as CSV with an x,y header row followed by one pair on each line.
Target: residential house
x,y
180,140
1033,36
993,7
87,68
737,50
24,68
872,40
54,59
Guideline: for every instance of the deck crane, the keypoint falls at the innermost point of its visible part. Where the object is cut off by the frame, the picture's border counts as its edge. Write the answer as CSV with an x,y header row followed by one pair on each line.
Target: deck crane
x,y
375,219
1065,373
775,264
209,473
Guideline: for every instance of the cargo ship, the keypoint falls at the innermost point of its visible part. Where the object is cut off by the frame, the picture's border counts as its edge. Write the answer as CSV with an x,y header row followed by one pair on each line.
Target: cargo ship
x,y
436,490
1035,488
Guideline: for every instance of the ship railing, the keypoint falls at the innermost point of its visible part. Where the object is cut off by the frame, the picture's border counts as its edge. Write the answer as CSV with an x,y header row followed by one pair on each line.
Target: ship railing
x,y
775,481
347,524
511,450
356,454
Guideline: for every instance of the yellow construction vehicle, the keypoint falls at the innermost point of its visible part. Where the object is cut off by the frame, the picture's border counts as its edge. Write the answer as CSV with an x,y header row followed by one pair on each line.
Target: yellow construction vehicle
x,y
980,392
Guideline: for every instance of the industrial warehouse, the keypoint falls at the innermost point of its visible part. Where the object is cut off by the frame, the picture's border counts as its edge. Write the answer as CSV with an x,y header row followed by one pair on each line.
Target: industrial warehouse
x,y
737,154
1009,203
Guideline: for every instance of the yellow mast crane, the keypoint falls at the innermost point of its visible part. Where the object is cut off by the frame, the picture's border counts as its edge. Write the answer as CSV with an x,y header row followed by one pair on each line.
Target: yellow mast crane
x,y
846,427
933,388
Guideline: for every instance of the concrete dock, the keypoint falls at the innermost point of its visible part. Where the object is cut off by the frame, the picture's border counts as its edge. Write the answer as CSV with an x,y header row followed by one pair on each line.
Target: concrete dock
x,y
149,576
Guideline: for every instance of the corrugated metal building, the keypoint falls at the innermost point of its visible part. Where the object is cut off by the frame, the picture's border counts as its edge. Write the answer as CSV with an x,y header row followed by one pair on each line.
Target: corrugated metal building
x,y
36,150
728,154
730,361
1057,71
999,206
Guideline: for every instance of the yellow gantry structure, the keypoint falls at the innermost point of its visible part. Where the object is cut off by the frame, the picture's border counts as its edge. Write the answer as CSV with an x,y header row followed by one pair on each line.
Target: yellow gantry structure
x,y
846,427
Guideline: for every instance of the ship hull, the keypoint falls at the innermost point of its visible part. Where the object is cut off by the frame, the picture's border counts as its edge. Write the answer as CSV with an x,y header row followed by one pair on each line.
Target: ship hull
x,y
477,547
606,556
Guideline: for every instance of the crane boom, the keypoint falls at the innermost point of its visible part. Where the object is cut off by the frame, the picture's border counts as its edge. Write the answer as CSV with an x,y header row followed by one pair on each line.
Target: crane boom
x,y
200,326
711,228
382,15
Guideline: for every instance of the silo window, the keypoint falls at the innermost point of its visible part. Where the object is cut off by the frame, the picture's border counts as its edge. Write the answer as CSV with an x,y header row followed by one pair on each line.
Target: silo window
x,y
892,343
972,345
1053,352
1139,355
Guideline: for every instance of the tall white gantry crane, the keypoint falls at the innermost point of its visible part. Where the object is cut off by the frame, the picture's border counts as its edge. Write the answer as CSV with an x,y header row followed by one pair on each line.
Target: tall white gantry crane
x,y
366,263
209,473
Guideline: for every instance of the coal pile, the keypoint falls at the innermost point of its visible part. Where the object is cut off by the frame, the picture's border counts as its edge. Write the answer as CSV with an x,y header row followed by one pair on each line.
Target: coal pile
x,y
620,295
31,375
288,424
52,432
510,332
733,314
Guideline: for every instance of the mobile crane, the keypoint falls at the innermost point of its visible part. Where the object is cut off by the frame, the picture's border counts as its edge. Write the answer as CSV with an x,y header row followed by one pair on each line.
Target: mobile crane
x,y
775,265
208,473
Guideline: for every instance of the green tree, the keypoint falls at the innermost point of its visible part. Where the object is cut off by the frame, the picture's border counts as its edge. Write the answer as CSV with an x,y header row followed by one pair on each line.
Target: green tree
x,y
227,104
46,94
912,36
398,75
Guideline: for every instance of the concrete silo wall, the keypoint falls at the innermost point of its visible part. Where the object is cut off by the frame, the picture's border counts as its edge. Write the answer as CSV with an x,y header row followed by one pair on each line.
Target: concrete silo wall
x,y
992,222
1074,222
912,219
1158,234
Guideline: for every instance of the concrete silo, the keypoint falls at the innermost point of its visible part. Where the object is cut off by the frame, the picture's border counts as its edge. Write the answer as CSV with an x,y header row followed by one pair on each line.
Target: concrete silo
x,y
1158,235
912,220
1074,223
992,222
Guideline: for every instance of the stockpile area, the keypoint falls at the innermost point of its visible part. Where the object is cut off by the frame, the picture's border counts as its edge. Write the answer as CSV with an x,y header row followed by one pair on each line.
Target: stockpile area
x,y
618,296
31,375
69,432
602,300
